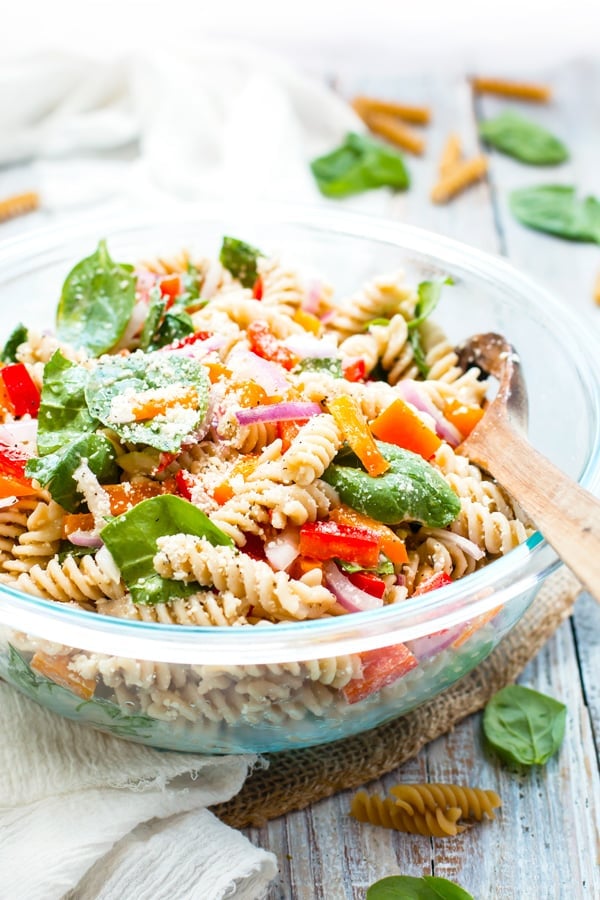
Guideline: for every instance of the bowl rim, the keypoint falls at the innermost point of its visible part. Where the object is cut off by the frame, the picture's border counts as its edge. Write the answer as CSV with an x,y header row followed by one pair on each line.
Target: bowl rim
x,y
520,571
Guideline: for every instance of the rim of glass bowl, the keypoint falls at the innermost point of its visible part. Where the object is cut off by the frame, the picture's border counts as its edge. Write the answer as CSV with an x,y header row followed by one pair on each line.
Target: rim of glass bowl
x,y
516,574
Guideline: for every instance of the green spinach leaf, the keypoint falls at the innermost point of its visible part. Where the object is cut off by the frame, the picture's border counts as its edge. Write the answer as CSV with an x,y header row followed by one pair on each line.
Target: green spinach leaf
x,y
359,164
331,365
164,325
405,887
525,140
64,415
410,490
104,713
557,210
428,293
131,539
240,259
118,378
524,726
96,302
383,568
55,470
17,337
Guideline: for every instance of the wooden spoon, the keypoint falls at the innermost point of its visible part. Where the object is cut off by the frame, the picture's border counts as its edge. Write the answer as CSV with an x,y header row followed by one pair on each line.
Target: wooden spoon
x,y
567,515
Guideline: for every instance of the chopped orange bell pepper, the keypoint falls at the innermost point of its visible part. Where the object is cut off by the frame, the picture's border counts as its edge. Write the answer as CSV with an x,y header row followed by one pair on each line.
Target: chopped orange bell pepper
x,y
56,668
353,425
12,487
463,416
77,522
380,668
123,496
474,625
216,370
390,543
287,431
223,491
158,406
400,424
308,321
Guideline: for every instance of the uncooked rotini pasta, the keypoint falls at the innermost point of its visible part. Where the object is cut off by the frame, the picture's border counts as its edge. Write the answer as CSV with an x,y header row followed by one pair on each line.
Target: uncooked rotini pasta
x,y
239,448
474,803
386,812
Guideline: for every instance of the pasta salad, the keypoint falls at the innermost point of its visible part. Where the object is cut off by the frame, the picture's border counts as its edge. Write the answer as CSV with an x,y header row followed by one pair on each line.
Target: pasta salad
x,y
223,442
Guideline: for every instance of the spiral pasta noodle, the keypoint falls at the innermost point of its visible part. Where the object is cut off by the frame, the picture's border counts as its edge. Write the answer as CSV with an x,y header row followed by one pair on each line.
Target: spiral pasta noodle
x,y
381,297
386,812
472,802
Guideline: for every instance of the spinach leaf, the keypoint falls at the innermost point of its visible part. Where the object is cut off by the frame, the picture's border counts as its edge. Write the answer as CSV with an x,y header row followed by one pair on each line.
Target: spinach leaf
x,y
386,567
428,294
240,259
524,726
108,715
17,337
126,377
410,490
557,210
55,470
131,539
164,326
331,365
405,887
96,302
63,416
525,140
359,164
156,309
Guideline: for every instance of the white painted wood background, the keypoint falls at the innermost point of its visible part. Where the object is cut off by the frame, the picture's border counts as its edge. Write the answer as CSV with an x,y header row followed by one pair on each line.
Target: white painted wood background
x,y
545,844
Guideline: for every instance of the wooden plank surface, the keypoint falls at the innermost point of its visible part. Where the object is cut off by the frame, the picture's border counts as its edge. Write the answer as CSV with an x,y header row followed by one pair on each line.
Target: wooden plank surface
x,y
545,843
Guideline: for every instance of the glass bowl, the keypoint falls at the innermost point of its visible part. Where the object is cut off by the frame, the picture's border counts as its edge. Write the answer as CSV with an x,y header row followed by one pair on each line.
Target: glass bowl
x,y
228,690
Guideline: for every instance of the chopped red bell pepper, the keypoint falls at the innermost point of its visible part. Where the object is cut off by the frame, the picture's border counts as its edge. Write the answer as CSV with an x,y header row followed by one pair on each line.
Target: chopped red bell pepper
x,y
257,290
329,540
287,431
21,391
432,583
379,668
355,370
13,481
185,483
368,582
254,547
264,343
189,339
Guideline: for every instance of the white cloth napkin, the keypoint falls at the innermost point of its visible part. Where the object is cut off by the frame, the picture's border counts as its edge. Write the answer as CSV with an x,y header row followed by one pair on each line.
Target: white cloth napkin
x,y
76,807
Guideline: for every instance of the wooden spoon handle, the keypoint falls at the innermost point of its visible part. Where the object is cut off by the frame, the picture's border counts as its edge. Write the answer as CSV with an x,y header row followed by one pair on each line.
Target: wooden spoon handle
x,y
567,515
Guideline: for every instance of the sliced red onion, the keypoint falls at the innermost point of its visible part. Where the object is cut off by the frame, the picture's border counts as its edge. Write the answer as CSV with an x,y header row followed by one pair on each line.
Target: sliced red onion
x,y
312,299
85,538
105,560
409,391
283,549
8,501
199,349
135,324
346,593
430,644
278,412
21,436
463,543
249,366
307,346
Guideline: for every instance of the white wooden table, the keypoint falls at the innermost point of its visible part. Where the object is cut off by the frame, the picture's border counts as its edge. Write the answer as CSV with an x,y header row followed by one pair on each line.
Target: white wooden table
x,y
545,844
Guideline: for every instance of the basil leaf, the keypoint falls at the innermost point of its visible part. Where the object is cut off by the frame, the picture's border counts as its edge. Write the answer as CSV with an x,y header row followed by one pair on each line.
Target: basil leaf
x,y
63,416
331,365
131,539
55,471
17,337
524,726
557,210
240,259
525,140
410,490
405,887
359,164
428,297
96,302
131,375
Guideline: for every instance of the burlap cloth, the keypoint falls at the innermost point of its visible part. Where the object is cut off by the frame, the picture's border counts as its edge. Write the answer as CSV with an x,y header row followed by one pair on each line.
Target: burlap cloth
x,y
296,778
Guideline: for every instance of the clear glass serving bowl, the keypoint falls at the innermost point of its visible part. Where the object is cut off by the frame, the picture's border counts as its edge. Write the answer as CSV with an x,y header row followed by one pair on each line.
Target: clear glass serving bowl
x,y
220,690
